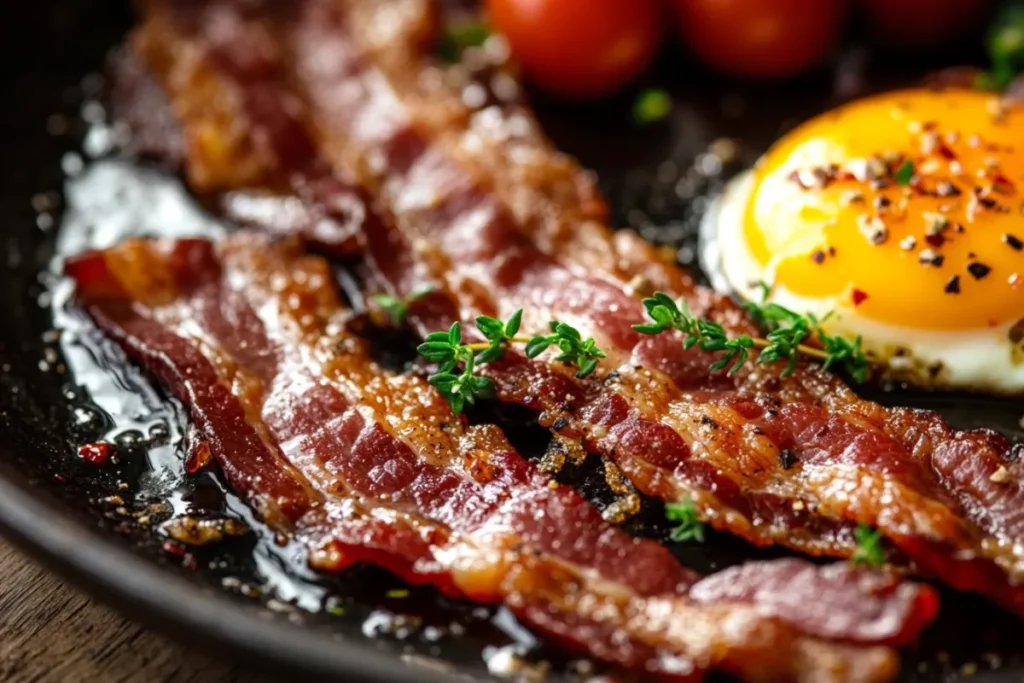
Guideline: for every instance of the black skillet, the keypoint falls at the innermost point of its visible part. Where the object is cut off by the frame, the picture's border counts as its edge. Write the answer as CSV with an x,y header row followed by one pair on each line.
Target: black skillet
x,y
58,392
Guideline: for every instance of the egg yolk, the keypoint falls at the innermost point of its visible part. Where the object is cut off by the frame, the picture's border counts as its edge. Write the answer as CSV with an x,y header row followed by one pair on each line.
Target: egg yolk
x,y
907,206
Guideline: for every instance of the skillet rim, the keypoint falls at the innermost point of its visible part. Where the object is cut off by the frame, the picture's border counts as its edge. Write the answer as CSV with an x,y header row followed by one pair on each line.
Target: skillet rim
x,y
189,614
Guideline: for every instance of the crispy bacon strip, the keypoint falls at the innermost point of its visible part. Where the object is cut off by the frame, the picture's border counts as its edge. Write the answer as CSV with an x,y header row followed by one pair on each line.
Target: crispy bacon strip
x,y
674,429
367,466
240,126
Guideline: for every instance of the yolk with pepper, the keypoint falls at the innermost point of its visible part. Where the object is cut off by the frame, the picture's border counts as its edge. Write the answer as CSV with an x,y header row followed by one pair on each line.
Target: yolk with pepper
x,y
907,206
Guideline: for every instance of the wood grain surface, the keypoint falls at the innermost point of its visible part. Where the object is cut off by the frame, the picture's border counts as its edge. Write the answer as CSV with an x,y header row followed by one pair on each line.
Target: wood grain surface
x,y
51,632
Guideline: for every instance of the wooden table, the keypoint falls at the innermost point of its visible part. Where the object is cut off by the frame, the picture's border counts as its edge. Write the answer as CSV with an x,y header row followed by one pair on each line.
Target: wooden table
x,y
52,633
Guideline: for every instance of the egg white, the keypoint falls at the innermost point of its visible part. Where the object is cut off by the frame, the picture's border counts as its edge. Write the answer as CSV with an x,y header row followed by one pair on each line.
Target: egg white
x,y
981,359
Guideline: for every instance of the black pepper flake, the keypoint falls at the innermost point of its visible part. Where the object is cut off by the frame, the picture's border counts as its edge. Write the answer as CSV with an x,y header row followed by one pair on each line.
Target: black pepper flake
x,y
559,424
818,257
1013,242
978,270
787,458
944,188
708,420
953,286
882,202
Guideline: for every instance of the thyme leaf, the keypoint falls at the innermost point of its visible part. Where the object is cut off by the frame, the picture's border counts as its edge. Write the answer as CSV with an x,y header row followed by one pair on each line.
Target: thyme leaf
x,y
905,173
651,105
869,546
457,37
397,308
690,527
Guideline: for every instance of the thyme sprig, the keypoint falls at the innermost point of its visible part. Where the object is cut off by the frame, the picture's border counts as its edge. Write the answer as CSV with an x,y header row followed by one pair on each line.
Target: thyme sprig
x,y
869,546
690,527
784,335
707,335
458,362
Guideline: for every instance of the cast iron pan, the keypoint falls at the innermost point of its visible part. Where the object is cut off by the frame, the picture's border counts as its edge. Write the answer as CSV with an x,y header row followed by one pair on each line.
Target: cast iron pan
x,y
62,385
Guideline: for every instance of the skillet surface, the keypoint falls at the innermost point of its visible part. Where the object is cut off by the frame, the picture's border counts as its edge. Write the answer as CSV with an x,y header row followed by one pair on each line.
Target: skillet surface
x,y
98,525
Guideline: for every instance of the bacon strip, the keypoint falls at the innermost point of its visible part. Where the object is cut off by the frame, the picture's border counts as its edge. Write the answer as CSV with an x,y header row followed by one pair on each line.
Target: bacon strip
x,y
675,429
246,143
367,466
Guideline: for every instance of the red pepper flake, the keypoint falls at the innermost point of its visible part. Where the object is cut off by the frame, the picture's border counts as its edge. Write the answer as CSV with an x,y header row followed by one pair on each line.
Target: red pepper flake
x,y
96,453
978,270
953,286
1013,242
818,256
859,296
936,239
1002,184
173,548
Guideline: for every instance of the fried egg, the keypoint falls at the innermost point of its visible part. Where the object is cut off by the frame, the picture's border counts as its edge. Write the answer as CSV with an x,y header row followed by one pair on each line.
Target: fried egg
x,y
901,214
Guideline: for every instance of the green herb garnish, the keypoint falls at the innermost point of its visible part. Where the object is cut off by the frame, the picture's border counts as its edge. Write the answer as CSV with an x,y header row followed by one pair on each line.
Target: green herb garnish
x,y
583,353
905,173
397,594
1005,45
458,37
651,105
690,527
706,335
455,378
784,330
869,546
397,308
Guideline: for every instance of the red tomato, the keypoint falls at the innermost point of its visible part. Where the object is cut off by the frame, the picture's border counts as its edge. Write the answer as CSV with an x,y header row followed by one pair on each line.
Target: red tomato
x,y
924,23
770,38
579,48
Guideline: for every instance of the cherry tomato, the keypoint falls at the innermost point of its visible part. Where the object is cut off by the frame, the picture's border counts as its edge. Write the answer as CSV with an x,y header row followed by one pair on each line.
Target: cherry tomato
x,y
924,23
579,48
760,38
